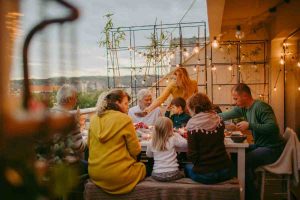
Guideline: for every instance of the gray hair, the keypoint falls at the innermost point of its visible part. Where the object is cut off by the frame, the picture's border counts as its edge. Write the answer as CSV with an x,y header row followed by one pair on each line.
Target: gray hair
x,y
142,93
65,93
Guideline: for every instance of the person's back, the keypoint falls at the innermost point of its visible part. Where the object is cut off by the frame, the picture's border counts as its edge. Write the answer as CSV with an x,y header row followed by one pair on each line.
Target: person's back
x,y
113,146
66,100
206,148
162,148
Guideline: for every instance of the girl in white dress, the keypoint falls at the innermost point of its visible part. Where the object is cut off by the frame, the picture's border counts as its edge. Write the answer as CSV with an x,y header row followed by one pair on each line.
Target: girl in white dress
x,y
162,149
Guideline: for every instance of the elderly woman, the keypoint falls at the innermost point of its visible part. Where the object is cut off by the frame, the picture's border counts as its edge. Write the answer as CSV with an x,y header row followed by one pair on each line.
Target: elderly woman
x,y
183,87
114,146
206,148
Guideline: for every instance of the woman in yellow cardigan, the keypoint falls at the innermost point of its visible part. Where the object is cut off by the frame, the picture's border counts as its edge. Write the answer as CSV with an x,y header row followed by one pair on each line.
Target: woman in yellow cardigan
x,y
183,87
114,146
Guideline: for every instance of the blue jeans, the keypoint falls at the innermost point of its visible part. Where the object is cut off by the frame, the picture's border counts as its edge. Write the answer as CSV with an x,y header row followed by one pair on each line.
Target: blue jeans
x,y
207,178
255,157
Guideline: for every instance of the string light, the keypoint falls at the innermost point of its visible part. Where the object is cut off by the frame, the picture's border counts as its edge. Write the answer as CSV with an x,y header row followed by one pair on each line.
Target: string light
x,y
215,43
239,34
281,60
172,55
299,88
167,80
275,89
196,49
213,68
298,63
230,68
219,88
195,68
185,52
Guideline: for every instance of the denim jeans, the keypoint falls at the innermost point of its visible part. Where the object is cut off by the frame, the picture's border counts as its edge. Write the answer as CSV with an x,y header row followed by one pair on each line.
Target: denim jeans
x,y
207,178
255,157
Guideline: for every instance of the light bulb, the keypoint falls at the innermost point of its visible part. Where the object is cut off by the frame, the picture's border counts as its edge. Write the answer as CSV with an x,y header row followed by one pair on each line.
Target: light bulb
x,y
284,44
186,54
230,68
219,88
172,55
298,63
167,80
177,65
215,43
213,68
239,34
195,68
196,49
275,89
281,60
299,88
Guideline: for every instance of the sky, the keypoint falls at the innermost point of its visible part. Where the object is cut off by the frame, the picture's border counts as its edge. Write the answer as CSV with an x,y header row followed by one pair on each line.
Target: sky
x,y
73,50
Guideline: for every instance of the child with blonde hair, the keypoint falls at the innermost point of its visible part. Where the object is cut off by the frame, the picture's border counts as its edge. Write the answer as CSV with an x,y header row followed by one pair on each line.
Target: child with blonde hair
x,y
162,149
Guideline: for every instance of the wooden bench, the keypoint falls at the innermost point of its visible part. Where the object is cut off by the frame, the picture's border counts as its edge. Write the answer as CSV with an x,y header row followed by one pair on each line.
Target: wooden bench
x,y
182,189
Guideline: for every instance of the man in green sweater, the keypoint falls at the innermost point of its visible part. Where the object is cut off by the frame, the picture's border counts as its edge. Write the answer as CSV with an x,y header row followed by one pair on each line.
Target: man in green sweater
x,y
261,121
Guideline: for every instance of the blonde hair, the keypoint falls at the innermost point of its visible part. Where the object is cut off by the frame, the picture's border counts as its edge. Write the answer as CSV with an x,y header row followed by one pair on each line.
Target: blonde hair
x,y
163,131
184,82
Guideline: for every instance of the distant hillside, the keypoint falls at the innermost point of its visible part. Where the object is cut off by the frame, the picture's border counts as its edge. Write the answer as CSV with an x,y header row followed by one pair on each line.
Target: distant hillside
x,y
91,81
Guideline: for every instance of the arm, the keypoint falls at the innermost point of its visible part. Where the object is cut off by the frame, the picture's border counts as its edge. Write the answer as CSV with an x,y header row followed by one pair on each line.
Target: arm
x,y
157,102
266,120
149,152
233,113
179,141
132,142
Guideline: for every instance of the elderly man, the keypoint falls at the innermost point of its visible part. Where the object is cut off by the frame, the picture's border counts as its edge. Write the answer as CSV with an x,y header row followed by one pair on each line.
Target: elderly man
x,y
66,100
260,119
144,98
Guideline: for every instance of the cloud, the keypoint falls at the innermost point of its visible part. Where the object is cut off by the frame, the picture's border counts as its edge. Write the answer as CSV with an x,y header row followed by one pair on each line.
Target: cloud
x,y
82,55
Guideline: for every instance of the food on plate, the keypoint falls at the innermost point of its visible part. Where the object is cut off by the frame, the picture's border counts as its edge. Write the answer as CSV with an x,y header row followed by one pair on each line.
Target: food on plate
x,y
141,125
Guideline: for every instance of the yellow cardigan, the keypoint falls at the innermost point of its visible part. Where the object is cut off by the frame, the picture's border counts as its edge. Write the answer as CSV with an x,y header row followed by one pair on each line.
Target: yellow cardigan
x,y
113,147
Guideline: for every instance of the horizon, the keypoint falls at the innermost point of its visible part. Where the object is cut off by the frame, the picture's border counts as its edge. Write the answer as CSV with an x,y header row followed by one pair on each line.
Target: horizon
x,y
52,55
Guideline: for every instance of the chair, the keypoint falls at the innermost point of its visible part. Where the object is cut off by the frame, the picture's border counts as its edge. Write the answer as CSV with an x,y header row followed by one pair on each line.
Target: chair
x,y
287,164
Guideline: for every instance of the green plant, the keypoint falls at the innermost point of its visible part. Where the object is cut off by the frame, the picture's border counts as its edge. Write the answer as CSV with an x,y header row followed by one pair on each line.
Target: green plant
x,y
111,39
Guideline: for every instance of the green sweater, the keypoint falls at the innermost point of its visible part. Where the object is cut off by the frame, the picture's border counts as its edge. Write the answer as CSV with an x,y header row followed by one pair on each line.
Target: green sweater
x,y
262,123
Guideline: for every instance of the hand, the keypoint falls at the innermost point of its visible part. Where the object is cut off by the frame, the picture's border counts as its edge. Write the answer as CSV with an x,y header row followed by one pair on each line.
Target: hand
x,y
243,125
141,114
230,127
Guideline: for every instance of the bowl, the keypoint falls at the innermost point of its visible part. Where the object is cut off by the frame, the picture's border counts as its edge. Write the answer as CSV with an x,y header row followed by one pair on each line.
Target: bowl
x,y
238,138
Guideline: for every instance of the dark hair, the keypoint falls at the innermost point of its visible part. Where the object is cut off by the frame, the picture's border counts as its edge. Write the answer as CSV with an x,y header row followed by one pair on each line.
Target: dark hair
x,y
242,87
199,103
113,97
179,101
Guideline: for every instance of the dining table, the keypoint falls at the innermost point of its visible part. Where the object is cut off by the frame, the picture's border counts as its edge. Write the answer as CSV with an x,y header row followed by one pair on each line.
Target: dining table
x,y
231,147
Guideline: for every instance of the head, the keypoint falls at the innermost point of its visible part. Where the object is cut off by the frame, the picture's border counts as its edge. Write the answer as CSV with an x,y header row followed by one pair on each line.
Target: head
x,y
67,96
113,100
199,103
182,77
163,130
178,105
144,97
241,95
